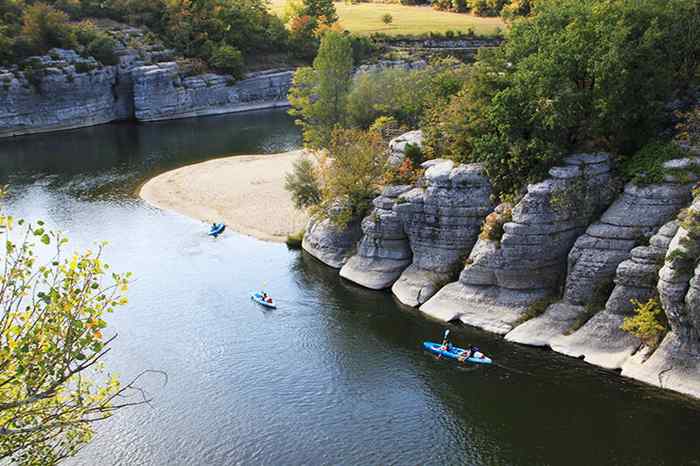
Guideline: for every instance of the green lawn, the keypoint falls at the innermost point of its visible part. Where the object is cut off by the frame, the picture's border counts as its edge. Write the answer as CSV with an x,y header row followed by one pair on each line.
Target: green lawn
x,y
366,18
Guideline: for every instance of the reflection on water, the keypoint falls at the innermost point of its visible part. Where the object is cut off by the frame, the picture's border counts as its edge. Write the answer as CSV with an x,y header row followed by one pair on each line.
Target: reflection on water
x,y
335,375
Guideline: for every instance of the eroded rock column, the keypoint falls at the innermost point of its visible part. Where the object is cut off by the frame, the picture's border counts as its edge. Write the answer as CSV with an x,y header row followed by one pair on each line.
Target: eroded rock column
x,y
442,222
383,252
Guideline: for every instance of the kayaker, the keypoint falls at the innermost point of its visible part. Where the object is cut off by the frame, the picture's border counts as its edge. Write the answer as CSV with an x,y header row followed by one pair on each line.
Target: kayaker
x,y
446,345
476,352
466,354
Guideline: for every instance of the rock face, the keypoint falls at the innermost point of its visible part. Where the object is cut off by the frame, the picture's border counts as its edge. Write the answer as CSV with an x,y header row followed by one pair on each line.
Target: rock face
x,y
676,363
601,341
502,278
442,222
636,214
62,91
384,252
161,93
331,245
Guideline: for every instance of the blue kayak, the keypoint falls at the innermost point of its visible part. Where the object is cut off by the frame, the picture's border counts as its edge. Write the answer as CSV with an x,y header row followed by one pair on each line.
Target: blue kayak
x,y
258,298
216,229
454,353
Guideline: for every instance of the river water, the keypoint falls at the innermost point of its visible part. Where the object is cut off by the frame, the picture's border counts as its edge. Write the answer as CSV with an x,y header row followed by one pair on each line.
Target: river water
x,y
336,374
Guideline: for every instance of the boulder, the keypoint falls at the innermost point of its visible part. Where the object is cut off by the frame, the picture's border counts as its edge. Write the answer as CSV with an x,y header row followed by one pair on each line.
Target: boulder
x,y
330,244
397,146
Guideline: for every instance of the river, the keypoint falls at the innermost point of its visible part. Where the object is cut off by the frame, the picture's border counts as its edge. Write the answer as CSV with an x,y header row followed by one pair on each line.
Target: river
x,y
336,375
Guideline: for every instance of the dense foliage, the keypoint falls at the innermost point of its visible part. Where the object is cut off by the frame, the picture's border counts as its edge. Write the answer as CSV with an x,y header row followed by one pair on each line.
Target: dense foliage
x,y
221,32
648,323
578,74
52,384
402,94
303,184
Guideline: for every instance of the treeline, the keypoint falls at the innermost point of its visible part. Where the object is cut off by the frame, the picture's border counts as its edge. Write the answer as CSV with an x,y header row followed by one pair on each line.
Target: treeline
x,y
506,8
222,33
573,75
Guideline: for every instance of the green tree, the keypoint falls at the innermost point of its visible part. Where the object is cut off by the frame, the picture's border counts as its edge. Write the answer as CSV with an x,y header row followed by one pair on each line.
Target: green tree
x,y
323,10
44,27
229,60
352,173
53,386
303,184
319,94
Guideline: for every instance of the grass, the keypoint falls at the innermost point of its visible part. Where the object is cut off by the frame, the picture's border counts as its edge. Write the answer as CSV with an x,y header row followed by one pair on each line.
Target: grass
x,y
366,18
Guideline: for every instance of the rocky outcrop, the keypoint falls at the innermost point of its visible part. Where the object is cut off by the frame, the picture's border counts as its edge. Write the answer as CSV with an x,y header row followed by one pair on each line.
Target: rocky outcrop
x,y
442,222
329,243
61,91
398,145
161,93
676,363
502,278
383,252
636,215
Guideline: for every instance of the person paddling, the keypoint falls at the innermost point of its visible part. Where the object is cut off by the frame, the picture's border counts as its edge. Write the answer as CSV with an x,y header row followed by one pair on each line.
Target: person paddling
x,y
446,345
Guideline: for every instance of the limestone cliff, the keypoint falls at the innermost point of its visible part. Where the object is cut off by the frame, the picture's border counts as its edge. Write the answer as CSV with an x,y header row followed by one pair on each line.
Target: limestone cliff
x,y
676,362
502,278
162,93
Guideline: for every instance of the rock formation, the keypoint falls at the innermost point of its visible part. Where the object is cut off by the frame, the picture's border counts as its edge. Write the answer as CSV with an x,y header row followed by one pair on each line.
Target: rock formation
x,y
161,93
329,243
676,362
384,252
502,278
593,263
442,222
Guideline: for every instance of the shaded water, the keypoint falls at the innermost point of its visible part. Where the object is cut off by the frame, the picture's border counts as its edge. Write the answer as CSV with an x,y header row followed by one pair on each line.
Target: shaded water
x,y
336,374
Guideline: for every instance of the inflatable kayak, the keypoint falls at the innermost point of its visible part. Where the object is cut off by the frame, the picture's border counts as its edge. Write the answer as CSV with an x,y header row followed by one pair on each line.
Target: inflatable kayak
x,y
216,229
454,353
258,298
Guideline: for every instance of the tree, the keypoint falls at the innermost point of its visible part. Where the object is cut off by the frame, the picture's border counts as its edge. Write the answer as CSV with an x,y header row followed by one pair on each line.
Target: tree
x,y
351,174
229,60
44,27
323,10
303,184
319,94
53,386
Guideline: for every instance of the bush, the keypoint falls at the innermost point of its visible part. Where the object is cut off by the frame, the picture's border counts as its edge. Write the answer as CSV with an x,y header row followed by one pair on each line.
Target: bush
x,y
646,166
229,60
295,239
303,184
649,323
102,49
387,18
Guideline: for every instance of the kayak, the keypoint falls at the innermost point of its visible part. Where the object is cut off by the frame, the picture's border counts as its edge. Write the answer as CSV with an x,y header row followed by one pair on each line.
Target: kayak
x,y
216,229
453,353
257,297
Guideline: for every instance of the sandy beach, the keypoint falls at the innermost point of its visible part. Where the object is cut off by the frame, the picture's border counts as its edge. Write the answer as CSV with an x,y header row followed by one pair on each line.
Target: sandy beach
x,y
245,192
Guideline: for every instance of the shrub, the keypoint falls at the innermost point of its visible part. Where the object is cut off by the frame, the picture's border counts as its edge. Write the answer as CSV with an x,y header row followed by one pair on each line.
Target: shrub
x,y
492,229
387,18
102,49
229,60
295,239
303,184
646,166
84,67
649,323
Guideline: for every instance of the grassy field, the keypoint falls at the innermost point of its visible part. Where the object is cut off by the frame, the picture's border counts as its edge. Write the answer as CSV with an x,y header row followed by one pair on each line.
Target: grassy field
x,y
366,18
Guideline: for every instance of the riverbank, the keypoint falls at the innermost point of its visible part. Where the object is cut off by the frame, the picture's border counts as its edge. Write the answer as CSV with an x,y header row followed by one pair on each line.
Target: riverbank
x,y
245,192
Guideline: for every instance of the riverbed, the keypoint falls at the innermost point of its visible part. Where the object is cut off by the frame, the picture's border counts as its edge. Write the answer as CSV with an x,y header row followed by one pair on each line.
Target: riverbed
x,y
336,374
